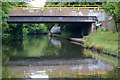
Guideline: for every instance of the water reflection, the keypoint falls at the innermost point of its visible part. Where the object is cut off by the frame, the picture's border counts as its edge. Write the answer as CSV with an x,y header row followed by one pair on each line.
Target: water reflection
x,y
53,67
44,57
39,74
55,42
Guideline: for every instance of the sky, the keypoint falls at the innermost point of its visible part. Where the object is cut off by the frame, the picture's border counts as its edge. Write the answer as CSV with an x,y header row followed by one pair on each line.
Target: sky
x,y
37,3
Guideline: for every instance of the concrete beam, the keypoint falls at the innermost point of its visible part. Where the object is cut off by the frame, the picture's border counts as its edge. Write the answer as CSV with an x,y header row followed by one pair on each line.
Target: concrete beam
x,y
45,19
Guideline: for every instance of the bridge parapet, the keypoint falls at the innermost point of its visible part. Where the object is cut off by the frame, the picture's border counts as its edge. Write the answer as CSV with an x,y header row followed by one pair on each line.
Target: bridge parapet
x,y
53,12
56,10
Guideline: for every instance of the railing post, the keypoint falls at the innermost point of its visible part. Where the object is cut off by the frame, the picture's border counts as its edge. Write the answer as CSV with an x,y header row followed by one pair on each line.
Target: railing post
x,y
23,9
78,71
78,9
98,73
98,8
24,73
94,9
42,9
42,72
85,6
60,73
60,8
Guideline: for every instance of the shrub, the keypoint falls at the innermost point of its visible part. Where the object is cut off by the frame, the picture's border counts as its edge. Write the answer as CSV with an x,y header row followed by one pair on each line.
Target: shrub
x,y
102,29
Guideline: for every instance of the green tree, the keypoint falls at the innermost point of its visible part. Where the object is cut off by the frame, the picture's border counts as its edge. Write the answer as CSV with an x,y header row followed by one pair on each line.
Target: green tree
x,y
113,10
5,12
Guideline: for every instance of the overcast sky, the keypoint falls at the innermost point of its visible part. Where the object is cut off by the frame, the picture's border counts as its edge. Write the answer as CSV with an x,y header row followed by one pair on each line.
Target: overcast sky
x,y
37,3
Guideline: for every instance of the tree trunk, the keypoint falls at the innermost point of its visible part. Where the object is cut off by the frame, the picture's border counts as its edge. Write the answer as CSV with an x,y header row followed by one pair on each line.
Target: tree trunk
x,y
116,26
119,26
116,29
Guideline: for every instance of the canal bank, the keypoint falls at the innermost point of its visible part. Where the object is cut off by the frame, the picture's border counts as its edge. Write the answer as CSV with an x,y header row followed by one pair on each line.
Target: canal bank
x,y
100,41
103,42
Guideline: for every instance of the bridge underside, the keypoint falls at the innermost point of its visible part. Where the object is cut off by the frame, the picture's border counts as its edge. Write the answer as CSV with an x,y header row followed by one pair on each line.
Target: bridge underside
x,y
52,19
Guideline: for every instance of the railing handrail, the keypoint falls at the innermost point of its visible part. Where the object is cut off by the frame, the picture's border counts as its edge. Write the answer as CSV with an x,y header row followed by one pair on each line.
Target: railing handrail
x,y
57,6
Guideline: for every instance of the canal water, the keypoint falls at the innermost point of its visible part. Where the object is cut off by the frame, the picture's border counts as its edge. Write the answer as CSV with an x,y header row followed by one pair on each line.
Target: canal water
x,y
45,57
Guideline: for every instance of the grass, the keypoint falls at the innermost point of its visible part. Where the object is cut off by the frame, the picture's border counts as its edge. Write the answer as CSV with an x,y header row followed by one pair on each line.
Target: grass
x,y
107,42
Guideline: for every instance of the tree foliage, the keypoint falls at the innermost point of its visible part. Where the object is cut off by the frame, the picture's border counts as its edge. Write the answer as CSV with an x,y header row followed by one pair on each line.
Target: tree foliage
x,y
5,8
113,10
5,12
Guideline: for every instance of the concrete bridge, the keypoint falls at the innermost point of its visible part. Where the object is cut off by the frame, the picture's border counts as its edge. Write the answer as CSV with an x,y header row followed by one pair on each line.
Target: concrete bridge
x,y
85,15
53,14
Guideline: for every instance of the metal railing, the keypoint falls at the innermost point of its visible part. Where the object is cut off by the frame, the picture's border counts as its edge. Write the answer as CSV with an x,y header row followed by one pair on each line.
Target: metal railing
x,y
60,7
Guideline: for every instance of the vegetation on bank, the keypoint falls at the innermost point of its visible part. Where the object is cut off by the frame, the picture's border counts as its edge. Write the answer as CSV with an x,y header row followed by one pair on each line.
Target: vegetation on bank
x,y
104,41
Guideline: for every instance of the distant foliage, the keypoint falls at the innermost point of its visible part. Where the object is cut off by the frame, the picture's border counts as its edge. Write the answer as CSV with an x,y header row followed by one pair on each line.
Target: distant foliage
x,y
73,3
34,28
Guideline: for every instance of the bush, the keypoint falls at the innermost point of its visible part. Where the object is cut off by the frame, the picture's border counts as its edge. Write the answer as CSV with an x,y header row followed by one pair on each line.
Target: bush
x,y
102,29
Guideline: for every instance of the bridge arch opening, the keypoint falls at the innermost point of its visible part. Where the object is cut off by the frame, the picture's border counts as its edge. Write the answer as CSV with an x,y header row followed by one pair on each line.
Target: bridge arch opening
x,y
74,29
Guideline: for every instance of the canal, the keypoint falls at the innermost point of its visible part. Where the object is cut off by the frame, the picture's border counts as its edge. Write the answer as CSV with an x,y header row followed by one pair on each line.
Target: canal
x,y
44,57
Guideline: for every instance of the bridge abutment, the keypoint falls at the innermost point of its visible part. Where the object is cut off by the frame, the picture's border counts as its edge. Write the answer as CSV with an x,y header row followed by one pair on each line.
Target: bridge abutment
x,y
93,28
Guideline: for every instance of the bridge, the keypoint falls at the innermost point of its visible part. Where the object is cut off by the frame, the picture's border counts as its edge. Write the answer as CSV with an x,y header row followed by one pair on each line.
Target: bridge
x,y
54,13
